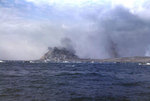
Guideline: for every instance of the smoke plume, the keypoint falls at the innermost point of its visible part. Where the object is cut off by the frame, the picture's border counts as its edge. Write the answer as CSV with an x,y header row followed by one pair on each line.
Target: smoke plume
x,y
91,30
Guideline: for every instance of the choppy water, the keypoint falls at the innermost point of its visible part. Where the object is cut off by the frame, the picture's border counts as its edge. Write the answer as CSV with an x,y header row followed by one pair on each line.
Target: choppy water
x,y
74,82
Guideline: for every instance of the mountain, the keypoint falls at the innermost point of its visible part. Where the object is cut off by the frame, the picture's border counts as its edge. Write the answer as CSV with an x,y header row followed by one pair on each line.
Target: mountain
x,y
61,54
58,54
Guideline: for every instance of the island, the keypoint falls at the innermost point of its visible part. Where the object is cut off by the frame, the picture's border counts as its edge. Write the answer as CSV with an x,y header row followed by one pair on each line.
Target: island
x,y
61,54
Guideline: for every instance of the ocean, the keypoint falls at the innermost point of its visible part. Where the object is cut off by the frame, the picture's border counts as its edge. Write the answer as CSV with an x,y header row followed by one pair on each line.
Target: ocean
x,y
74,82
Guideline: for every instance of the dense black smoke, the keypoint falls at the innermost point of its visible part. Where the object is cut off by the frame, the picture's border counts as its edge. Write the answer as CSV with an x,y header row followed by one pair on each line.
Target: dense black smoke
x,y
67,43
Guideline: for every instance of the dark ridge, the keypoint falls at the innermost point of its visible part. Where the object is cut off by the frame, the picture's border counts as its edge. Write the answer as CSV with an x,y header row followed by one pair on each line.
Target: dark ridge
x,y
59,54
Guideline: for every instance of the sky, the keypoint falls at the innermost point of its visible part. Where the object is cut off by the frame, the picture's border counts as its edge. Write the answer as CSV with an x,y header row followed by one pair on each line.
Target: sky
x,y
96,28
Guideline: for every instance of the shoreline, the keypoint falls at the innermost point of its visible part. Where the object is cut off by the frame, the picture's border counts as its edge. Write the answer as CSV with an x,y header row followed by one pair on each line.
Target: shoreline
x,y
136,59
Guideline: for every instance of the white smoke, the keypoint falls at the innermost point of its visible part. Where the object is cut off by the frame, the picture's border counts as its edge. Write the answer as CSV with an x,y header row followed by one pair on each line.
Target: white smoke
x,y
96,30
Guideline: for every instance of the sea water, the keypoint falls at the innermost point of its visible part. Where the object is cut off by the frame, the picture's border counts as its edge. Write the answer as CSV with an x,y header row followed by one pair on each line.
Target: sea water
x,y
74,82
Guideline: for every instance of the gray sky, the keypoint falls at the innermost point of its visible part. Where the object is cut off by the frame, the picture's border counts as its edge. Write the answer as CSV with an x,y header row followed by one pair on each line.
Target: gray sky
x,y
96,28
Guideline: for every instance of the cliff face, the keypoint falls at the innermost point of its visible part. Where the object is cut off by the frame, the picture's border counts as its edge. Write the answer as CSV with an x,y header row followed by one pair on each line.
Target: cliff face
x,y
59,54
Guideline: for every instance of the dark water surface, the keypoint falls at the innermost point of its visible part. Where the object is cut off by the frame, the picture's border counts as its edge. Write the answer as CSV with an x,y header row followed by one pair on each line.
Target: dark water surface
x,y
74,82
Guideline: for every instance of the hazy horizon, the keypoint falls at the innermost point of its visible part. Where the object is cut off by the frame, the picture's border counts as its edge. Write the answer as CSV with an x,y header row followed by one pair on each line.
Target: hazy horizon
x,y
95,28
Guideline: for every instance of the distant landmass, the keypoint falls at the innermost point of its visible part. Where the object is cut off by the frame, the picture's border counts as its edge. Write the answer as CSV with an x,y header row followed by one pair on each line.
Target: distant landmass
x,y
58,54
129,59
64,55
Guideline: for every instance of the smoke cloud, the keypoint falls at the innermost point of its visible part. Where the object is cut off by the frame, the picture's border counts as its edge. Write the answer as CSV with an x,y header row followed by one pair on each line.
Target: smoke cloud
x,y
94,30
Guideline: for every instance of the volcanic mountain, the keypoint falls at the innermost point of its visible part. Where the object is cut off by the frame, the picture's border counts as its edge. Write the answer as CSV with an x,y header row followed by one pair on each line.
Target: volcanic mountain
x,y
59,54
